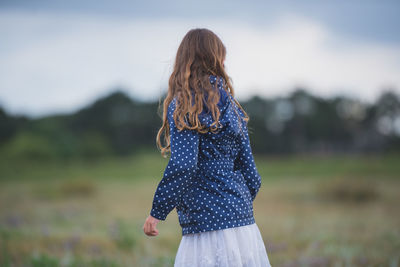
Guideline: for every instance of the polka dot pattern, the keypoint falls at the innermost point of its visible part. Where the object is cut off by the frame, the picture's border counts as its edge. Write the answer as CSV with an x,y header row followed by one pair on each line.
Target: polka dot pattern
x,y
211,179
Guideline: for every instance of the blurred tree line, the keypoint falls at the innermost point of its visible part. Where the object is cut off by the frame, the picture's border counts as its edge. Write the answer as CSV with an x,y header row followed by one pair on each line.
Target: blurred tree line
x,y
119,125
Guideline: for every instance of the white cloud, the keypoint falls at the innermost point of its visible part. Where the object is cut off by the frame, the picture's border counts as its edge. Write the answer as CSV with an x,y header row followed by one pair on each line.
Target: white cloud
x,y
300,52
59,62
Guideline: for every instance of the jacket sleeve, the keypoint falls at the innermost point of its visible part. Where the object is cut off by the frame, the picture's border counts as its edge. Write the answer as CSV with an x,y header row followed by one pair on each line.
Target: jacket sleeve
x,y
180,171
246,164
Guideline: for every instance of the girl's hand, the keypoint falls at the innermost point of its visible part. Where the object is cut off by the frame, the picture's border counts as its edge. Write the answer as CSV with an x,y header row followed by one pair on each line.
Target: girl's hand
x,y
149,226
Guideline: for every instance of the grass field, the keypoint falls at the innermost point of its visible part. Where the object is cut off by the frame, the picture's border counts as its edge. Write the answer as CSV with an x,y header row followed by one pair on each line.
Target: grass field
x,y
311,210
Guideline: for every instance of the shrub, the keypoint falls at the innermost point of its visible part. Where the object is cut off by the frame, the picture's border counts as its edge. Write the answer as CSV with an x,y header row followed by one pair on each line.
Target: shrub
x,y
348,190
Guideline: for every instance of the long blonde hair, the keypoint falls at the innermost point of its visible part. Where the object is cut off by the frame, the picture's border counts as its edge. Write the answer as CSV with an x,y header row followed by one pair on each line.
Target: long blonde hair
x,y
200,54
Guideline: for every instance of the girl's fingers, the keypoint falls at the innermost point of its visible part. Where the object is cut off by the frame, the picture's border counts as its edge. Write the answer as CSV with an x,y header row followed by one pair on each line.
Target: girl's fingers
x,y
149,228
153,229
145,228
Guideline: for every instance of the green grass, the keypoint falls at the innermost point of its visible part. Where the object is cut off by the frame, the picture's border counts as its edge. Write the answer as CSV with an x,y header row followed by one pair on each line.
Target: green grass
x,y
311,211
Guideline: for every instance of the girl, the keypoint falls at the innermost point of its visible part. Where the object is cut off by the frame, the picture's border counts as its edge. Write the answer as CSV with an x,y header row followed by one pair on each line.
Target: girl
x,y
211,177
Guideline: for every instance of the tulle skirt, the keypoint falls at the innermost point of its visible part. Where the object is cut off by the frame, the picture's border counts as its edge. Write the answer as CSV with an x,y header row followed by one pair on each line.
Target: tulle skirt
x,y
241,246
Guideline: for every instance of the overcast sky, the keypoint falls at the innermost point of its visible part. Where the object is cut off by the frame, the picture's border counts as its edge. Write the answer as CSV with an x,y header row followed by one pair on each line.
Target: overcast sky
x,y
57,56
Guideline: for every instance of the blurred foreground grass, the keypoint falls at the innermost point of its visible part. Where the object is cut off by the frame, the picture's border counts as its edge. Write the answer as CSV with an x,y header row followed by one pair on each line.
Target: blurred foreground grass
x,y
312,211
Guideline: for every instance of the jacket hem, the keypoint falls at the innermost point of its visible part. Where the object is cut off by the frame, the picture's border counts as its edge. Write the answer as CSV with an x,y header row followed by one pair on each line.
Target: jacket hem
x,y
207,226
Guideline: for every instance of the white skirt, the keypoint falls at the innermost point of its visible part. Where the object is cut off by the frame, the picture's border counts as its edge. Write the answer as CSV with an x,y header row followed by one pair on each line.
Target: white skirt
x,y
241,246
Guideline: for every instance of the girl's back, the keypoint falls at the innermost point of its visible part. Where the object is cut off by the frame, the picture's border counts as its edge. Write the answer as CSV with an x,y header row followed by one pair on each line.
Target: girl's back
x,y
211,178
218,190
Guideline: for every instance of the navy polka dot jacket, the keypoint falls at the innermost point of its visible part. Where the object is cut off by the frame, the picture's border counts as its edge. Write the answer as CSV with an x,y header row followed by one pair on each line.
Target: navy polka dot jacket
x,y
211,179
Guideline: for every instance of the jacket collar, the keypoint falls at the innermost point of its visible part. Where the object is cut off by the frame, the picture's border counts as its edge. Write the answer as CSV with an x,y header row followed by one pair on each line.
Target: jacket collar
x,y
214,78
